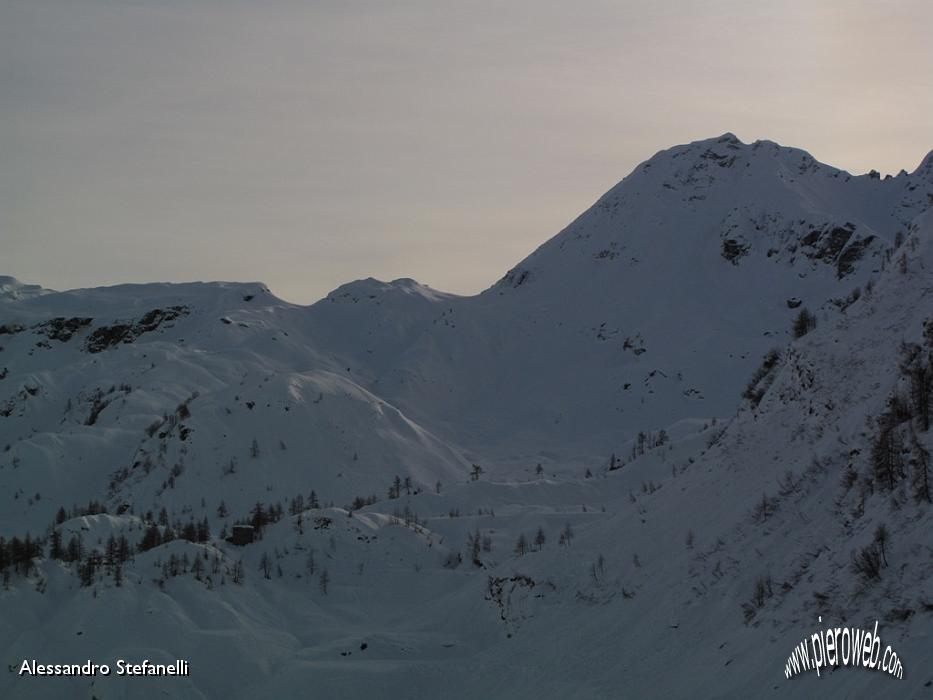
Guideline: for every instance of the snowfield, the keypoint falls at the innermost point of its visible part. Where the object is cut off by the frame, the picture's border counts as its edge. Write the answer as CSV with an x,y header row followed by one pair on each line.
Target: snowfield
x,y
631,468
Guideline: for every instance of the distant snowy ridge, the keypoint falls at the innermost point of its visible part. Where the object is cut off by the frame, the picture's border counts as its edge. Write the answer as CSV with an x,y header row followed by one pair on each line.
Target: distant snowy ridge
x,y
12,289
664,442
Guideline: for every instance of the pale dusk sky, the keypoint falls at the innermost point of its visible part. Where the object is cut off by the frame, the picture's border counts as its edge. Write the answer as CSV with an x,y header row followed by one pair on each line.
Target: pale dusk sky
x,y
306,144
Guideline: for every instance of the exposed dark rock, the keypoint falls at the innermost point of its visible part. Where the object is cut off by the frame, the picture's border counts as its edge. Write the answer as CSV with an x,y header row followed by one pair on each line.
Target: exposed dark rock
x,y
515,277
61,328
827,243
109,336
733,250
852,254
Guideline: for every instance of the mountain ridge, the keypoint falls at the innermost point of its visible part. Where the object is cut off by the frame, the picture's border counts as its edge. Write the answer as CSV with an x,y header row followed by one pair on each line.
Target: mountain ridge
x,y
635,445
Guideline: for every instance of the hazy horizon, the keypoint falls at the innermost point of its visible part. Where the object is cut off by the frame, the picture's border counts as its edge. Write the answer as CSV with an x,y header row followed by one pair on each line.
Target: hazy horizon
x,y
305,146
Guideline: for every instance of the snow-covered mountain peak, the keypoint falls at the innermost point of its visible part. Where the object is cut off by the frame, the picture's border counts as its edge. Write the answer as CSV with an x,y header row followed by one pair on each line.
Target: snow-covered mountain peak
x,y
376,290
437,482
727,151
925,169
126,301
11,289
739,201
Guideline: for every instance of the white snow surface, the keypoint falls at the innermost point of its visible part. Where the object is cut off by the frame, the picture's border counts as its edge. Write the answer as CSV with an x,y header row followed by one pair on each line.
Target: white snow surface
x,y
650,311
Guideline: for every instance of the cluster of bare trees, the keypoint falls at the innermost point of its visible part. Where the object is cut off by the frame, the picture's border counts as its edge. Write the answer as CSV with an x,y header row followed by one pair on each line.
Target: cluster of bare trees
x,y
896,449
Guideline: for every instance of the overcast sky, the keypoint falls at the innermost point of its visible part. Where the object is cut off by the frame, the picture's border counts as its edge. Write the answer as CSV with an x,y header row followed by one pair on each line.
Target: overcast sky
x,y
306,144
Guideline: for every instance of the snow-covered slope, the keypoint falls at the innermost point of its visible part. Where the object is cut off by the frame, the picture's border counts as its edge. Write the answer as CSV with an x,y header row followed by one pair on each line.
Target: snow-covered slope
x,y
594,394
652,306
12,289
213,384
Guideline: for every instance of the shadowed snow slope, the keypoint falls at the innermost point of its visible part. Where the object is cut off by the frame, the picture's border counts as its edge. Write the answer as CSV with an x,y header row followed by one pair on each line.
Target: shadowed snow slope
x,y
679,539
